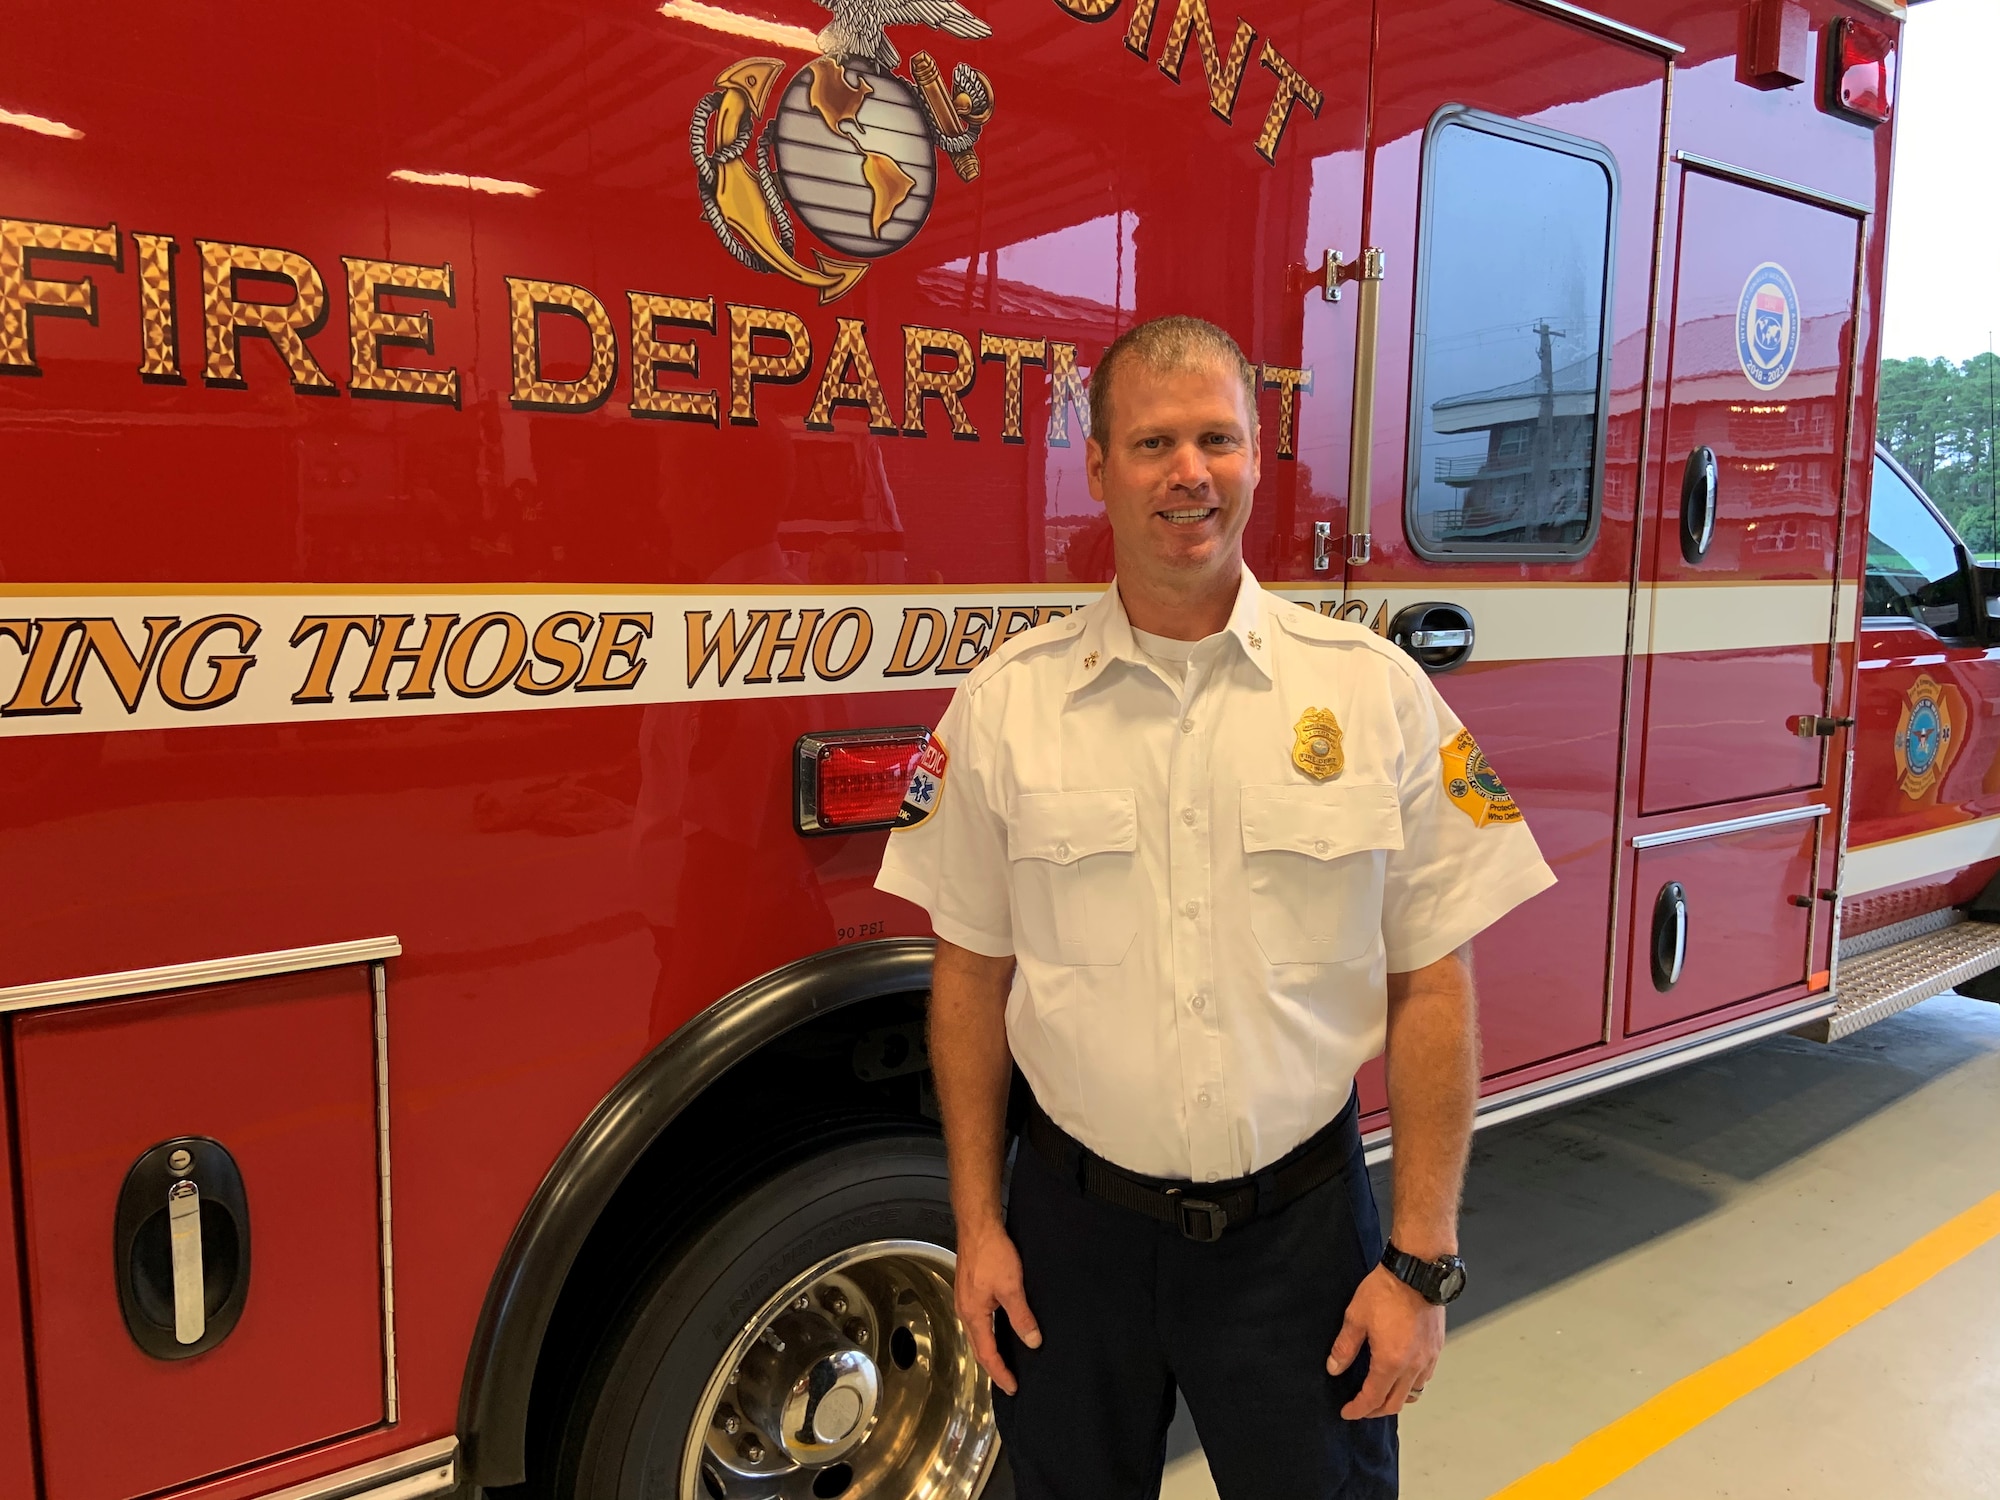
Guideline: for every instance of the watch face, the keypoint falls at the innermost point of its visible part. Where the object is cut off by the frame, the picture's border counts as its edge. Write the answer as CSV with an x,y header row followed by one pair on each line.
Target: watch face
x,y
1453,1281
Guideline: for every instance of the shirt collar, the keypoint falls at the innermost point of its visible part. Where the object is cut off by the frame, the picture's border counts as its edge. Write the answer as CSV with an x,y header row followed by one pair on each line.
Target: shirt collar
x,y
1106,635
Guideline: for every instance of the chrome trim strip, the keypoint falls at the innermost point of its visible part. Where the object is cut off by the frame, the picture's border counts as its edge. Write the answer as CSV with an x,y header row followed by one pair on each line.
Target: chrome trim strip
x,y
1568,1088
1729,825
1605,26
415,1472
187,976
391,1393
1790,189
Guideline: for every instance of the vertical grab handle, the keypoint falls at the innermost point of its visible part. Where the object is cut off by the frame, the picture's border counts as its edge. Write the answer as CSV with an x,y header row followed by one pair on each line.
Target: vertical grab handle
x,y
1368,271
1670,935
184,1241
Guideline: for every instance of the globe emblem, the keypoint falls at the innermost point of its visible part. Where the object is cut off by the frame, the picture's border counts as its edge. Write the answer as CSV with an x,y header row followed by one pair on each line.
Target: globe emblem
x,y
855,156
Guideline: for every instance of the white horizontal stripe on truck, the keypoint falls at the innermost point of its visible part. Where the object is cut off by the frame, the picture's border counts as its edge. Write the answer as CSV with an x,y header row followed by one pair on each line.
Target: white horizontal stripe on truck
x,y
109,657
1874,867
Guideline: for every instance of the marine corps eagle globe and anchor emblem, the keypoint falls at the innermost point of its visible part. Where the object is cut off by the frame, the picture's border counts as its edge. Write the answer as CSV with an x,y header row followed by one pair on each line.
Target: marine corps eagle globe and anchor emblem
x,y
850,149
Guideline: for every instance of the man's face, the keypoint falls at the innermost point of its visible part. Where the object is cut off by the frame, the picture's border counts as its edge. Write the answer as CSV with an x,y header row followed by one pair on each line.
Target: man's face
x,y
1176,472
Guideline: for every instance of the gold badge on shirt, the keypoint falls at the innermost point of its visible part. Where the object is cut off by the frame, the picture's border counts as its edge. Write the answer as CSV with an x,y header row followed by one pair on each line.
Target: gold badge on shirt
x,y
1316,744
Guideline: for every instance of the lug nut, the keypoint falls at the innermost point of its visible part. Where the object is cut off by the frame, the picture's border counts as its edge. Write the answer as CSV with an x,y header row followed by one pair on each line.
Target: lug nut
x,y
728,1421
750,1448
802,1304
856,1330
834,1300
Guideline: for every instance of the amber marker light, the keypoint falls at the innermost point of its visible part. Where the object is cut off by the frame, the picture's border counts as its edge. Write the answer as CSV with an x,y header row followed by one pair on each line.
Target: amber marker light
x,y
500,185
716,18
851,780
40,125
1861,71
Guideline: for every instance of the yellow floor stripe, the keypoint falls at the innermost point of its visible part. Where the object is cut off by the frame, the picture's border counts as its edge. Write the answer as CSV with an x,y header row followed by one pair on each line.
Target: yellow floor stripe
x,y
1639,1434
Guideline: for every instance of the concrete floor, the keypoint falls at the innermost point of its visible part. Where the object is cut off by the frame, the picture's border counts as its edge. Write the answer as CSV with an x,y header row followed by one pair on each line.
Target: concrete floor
x,y
1623,1243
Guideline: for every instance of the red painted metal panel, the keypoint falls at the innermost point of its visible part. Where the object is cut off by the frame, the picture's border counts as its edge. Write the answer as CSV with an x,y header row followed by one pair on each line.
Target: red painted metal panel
x,y
281,1072
1746,937
17,1465
572,884
1717,725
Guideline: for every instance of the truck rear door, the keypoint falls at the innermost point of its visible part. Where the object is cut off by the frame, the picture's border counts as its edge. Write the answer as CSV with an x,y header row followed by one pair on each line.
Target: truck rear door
x,y
1739,613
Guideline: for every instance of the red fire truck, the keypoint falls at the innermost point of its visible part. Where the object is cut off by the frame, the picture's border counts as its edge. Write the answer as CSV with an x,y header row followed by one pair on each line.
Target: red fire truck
x,y
493,493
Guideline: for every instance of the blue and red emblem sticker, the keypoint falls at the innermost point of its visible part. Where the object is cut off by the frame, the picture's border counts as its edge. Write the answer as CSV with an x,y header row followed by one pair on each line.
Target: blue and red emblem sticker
x,y
926,787
1767,326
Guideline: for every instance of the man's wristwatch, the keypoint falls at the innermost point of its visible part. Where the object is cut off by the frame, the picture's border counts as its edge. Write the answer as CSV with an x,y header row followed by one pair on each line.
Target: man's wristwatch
x,y
1436,1281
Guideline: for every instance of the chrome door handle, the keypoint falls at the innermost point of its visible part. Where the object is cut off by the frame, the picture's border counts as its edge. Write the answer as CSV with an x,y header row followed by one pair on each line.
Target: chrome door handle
x,y
1700,486
1670,935
184,1240
1439,635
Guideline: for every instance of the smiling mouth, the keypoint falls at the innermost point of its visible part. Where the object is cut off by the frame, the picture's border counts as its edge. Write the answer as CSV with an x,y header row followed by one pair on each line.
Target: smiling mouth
x,y
1191,517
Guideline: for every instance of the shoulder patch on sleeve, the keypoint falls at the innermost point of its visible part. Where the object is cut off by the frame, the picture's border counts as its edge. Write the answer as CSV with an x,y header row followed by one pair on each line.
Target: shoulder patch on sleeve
x,y
1470,781
926,788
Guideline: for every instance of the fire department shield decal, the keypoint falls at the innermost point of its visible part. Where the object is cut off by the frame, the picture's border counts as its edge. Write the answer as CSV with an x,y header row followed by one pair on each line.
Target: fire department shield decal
x,y
1926,735
1471,782
926,787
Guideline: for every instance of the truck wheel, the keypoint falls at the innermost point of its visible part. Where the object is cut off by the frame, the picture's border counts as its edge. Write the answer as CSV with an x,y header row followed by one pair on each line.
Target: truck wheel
x,y
800,1344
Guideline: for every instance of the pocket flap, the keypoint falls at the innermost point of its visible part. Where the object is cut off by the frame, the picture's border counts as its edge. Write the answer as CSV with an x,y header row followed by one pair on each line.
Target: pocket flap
x,y
1065,826
1323,822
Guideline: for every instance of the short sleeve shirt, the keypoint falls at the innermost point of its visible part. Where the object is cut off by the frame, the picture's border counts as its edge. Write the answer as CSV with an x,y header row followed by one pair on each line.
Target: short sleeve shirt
x,y
1205,883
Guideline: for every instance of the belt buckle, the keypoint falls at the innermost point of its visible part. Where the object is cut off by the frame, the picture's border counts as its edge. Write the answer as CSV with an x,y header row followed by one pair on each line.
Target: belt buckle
x,y
1200,1220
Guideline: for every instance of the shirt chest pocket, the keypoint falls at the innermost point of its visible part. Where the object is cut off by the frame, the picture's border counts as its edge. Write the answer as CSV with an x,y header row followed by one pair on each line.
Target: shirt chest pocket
x,y
1074,857
1315,858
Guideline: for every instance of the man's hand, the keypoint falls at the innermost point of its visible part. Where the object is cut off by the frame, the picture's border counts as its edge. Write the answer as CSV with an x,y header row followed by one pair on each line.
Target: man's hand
x,y
1404,1335
989,1276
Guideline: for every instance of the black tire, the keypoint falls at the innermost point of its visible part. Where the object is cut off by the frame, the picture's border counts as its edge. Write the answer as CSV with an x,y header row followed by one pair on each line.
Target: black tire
x,y
628,1425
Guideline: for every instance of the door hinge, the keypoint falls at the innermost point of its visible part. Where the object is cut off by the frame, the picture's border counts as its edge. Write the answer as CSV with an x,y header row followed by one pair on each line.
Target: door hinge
x,y
1816,726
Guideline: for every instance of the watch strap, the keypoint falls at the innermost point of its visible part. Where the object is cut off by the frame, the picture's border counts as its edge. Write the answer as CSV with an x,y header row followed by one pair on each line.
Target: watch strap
x,y
1425,1277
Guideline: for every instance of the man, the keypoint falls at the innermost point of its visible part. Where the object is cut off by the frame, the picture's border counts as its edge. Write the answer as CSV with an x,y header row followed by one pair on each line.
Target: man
x,y
1192,855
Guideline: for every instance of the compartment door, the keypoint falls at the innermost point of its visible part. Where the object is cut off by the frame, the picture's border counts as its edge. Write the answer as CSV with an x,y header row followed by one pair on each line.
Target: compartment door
x,y
277,1076
1742,596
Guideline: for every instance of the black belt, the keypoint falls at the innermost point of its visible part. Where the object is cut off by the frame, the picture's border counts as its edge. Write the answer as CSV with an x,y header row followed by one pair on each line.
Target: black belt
x,y
1201,1211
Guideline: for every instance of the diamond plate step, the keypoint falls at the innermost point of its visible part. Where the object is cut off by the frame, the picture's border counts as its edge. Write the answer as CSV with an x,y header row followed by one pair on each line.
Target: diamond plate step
x,y
1880,980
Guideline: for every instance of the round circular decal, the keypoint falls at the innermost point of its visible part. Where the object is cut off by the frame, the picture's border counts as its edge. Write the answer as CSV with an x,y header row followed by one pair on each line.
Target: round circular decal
x,y
1767,326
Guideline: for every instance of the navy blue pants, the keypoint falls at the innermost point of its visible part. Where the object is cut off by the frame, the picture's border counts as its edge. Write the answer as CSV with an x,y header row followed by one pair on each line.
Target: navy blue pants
x,y
1130,1311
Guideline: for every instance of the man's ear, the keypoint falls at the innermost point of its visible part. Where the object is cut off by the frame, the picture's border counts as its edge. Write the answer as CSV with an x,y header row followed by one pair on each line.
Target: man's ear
x,y
1093,468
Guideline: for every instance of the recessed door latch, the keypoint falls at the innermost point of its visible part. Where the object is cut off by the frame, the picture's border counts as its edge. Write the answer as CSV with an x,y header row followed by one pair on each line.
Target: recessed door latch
x,y
1816,726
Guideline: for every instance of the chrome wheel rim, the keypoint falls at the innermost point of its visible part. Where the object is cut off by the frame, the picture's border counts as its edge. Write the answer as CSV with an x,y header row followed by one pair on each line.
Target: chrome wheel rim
x,y
853,1382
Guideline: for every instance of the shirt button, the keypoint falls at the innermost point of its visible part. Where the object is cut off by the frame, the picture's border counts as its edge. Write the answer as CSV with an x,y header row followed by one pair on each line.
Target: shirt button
x,y
1215,1177
1202,1099
1199,1002
1193,909
1062,850
1187,816
1187,726
1319,846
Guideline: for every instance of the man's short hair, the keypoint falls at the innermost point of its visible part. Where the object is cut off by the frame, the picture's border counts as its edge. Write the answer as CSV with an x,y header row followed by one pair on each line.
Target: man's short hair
x,y
1168,346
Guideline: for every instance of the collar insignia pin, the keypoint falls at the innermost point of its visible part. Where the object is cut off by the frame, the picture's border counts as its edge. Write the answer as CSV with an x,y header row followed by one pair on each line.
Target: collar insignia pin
x,y
1256,640
1316,744
1090,662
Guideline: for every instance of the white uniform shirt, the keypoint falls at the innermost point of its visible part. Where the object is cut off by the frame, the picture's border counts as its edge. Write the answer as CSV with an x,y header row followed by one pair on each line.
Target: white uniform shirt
x,y
1204,888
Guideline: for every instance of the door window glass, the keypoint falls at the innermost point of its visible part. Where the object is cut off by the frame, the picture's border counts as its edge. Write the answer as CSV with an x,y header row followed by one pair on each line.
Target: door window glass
x,y
1912,563
1510,364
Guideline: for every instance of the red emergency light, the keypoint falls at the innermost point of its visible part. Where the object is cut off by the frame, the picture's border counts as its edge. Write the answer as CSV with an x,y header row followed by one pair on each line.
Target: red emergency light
x,y
852,780
1861,71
